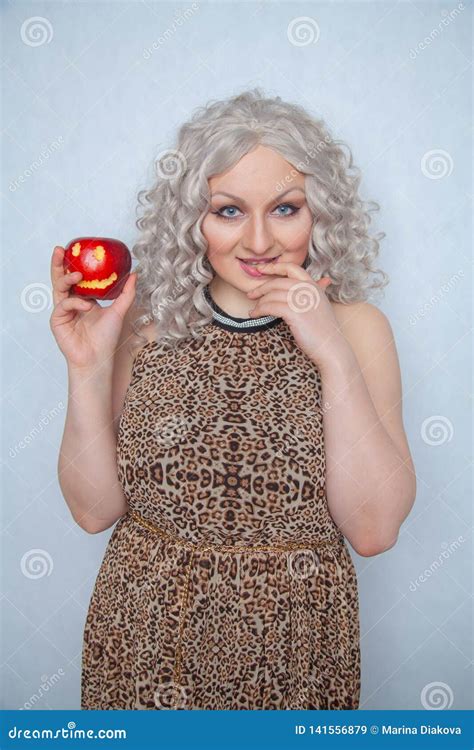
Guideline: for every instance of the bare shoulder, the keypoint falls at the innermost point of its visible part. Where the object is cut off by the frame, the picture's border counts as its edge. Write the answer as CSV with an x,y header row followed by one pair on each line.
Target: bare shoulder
x,y
364,325
358,315
369,332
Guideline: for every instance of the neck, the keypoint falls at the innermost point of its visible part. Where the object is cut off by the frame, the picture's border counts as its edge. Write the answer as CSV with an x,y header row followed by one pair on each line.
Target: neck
x,y
228,321
235,302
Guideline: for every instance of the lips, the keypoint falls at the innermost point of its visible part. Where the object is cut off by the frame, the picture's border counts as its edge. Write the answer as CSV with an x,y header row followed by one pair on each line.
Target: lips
x,y
249,267
254,262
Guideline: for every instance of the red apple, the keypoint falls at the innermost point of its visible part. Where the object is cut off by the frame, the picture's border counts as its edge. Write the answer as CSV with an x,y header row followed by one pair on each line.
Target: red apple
x,y
105,265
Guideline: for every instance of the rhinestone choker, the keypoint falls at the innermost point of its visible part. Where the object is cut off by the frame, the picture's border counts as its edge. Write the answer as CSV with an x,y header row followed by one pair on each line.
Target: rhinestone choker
x,y
232,323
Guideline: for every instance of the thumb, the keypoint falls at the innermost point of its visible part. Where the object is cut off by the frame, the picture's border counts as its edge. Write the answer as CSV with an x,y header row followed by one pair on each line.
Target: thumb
x,y
126,296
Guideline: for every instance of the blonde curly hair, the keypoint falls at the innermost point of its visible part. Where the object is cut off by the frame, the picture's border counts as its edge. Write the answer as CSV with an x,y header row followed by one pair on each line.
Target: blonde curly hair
x,y
171,250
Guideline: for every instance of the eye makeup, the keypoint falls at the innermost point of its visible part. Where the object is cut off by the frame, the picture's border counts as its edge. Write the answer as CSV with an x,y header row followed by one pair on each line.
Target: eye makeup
x,y
293,208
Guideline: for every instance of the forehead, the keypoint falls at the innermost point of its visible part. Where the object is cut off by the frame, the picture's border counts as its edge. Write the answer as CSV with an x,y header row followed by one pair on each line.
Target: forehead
x,y
261,171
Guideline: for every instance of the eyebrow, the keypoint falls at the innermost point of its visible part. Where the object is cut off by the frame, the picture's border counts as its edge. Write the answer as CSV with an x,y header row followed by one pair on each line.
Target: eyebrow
x,y
236,197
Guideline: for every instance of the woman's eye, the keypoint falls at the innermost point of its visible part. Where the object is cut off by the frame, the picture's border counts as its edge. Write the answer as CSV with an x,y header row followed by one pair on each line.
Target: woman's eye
x,y
294,210
226,208
288,205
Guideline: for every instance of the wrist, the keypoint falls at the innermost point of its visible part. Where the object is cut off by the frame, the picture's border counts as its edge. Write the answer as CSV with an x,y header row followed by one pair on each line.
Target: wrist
x,y
340,361
100,369
96,378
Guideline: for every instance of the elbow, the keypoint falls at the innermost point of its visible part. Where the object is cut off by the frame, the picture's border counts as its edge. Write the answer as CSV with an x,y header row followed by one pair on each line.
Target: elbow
x,y
92,525
382,534
89,527
371,546
94,529
95,525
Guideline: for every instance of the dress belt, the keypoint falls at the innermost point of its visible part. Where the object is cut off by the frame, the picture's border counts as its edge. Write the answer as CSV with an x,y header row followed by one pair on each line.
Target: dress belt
x,y
334,541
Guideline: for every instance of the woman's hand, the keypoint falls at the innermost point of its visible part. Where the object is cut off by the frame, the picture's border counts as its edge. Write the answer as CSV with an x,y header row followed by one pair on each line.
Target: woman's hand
x,y
86,333
292,294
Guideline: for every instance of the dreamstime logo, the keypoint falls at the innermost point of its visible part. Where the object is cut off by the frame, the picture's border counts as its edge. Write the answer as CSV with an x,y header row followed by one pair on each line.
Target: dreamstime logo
x,y
449,16
165,301
171,430
303,296
168,565
36,297
46,684
325,406
313,695
48,416
281,447
36,563
171,164
71,731
448,550
168,33
147,319
170,696
253,124
311,152
436,164
302,31
437,430
437,696
302,563
36,31
435,298
45,153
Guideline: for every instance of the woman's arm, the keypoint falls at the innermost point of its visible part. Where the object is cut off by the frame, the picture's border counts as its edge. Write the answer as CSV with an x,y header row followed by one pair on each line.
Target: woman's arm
x,y
370,477
87,465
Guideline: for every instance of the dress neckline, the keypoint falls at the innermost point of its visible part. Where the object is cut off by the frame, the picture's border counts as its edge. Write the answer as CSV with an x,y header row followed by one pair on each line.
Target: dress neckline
x,y
240,325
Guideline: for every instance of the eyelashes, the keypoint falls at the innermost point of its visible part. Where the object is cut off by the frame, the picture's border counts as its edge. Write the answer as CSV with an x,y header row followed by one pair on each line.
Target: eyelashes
x,y
218,213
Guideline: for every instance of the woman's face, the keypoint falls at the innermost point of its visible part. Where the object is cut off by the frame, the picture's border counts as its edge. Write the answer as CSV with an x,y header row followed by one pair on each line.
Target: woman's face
x,y
263,215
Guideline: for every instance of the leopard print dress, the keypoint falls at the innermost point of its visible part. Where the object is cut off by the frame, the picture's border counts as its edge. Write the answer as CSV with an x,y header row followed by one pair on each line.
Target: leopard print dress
x,y
227,584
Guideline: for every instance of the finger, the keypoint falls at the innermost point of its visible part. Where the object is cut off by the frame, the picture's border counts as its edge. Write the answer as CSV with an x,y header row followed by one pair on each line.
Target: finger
x,y
273,295
57,259
265,286
272,305
57,271
324,282
282,268
67,280
126,296
295,299
72,303
284,283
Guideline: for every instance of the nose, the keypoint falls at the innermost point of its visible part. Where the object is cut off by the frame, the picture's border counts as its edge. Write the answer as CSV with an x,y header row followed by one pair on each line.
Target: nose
x,y
257,237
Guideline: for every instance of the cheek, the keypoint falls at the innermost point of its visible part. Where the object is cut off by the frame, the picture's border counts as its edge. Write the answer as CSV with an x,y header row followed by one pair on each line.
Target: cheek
x,y
297,235
219,238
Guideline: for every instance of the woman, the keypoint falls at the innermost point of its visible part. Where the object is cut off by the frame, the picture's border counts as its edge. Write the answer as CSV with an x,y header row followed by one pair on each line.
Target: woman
x,y
255,428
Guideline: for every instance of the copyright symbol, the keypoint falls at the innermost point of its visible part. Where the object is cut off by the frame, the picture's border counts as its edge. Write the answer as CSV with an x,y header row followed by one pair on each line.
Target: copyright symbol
x,y
374,729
